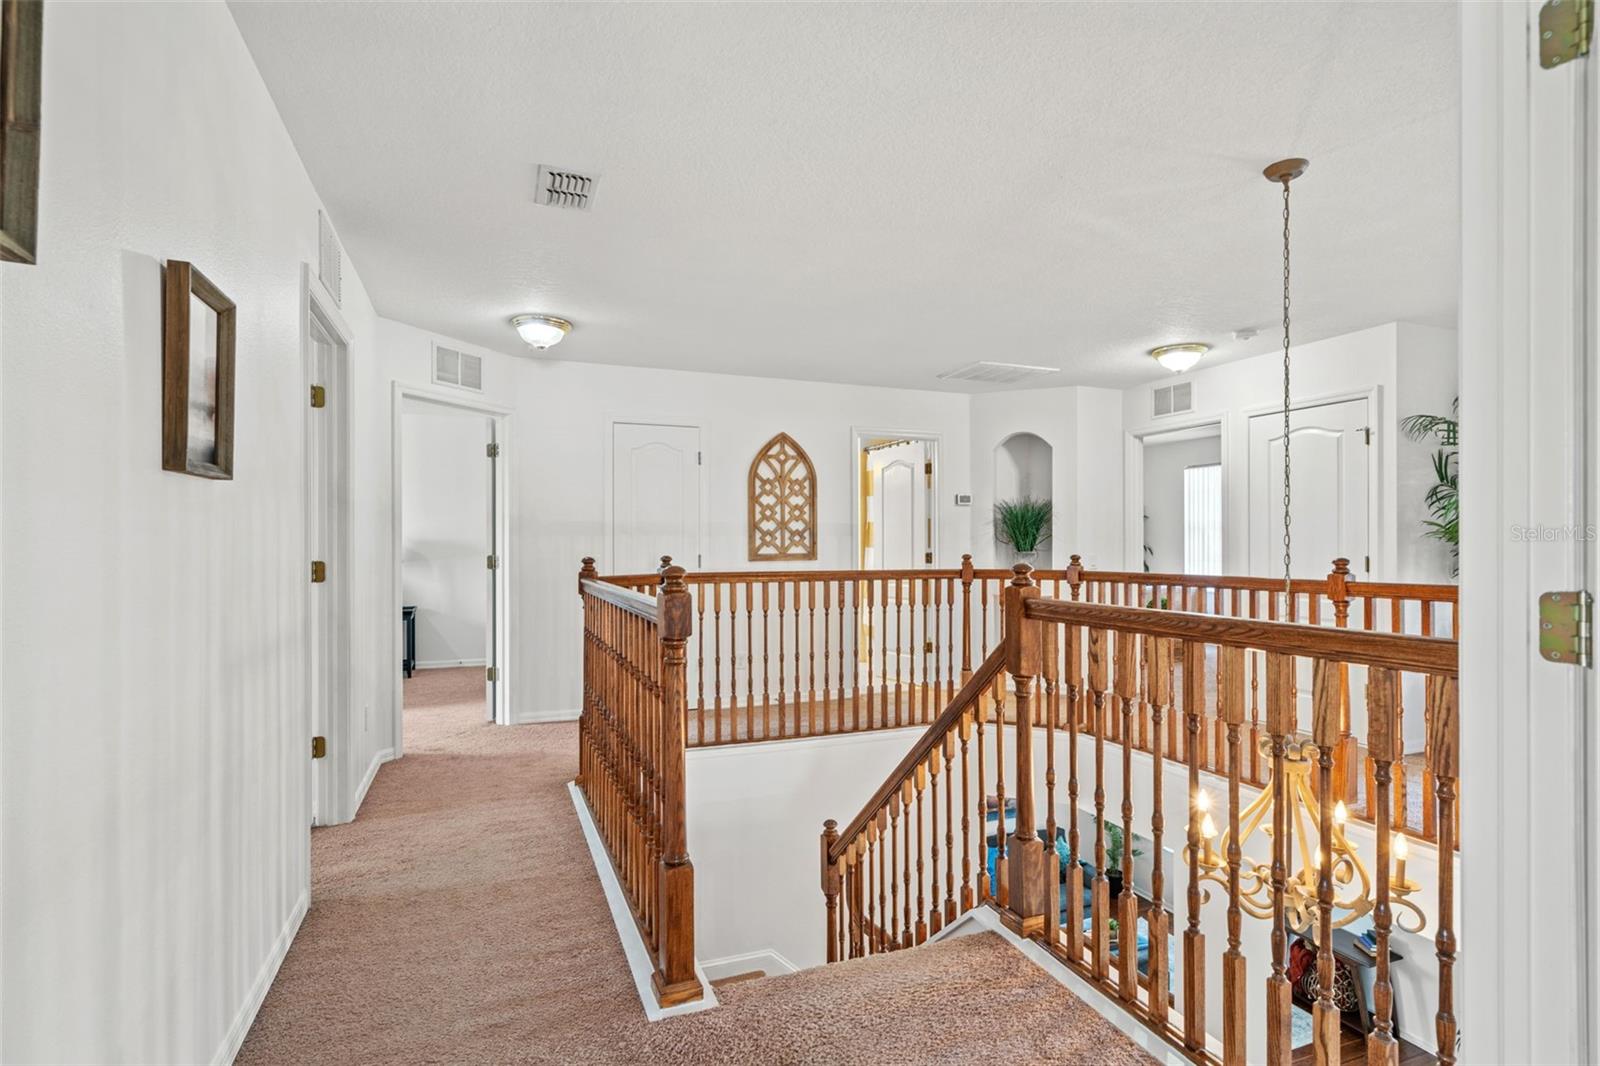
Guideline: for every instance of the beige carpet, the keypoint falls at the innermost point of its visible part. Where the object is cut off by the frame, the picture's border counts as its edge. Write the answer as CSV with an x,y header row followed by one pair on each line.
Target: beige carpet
x,y
459,920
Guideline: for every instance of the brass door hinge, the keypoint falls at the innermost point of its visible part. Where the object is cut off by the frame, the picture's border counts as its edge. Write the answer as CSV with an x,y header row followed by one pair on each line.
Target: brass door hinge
x,y
493,450
319,571
1565,632
493,562
319,396
927,557
1565,27
492,674
319,747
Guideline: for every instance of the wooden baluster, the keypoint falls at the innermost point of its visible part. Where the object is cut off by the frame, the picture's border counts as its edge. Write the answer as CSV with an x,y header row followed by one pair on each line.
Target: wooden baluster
x,y
1024,644
949,747
983,622
969,896
840,689
831,883
1444,763
1052,713
966,618
947,673
1402,782
1194,941
750,661
800,722
1127,689
1073,642
1100,894
1383,744
1255,706
1347,757
894,869
1230,690
883,653
927,712
1280,727
766,667
1002,870
783,716
906,939
1160,692
860,894
870,585
700,664
826,630
716,658
855,655
920,778
985,882
881,933
935,916
1325,735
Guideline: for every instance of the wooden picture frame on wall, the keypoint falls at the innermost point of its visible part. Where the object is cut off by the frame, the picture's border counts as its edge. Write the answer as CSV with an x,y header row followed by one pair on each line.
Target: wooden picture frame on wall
x,y
21,40
197,349
782,503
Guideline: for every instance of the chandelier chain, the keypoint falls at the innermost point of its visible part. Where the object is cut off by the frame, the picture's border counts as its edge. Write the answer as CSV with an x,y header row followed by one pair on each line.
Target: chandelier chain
x,y
1287,593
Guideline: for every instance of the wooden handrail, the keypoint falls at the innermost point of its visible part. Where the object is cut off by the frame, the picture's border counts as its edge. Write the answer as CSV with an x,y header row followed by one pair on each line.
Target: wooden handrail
x,y
1396,651
981,679
620,596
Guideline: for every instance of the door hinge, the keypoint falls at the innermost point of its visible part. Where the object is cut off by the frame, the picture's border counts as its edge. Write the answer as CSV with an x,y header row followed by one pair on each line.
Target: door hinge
x,y
1367,431
492,674
1565,27
1366,564
493,450
319,571
927,557
494,562
1565,634
319,747
699,459
319,396
699,561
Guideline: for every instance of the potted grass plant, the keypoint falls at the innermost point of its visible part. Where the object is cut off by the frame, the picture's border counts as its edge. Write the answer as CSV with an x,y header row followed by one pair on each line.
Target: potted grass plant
x,y
1023,524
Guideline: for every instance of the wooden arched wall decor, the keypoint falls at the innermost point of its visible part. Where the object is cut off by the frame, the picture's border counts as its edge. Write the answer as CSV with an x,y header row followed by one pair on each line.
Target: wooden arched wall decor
x,y
782,502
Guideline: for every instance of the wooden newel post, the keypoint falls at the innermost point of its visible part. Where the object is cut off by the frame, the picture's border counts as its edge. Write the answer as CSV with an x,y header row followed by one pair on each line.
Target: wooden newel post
x,y
586,573
1075,575
1024,661
830,885
966,618
675,979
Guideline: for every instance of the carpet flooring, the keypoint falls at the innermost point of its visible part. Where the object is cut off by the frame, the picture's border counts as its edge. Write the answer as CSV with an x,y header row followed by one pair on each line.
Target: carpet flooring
x,y
459,919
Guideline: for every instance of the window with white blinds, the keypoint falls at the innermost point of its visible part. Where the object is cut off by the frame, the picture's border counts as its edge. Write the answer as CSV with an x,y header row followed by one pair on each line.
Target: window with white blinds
x,y
1202,519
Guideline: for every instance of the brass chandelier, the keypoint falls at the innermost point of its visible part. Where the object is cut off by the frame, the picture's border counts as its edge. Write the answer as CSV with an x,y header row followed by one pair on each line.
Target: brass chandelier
x,y
1302,819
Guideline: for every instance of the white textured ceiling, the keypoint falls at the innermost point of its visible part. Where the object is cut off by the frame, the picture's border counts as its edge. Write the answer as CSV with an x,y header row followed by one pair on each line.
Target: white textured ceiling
x,y
876,193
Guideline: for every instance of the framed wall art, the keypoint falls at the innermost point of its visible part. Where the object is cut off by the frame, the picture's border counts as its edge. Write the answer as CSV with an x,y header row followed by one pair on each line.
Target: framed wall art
x,y
197,346
782,502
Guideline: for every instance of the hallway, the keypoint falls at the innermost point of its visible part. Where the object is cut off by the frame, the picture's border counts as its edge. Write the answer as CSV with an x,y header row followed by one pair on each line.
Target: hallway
x,y
459,919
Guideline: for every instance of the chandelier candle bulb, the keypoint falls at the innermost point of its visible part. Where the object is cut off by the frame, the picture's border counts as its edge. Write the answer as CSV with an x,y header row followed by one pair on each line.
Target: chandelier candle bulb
x,y
1400,849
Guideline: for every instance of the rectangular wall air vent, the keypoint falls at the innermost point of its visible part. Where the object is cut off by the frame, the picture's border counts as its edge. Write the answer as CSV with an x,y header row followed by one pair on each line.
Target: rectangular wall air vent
x,y
1173,399
997,373
460,369
565,189
330,258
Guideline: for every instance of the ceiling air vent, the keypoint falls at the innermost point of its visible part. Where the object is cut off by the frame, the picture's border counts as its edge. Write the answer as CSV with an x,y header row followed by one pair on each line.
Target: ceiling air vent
x,y
1173,399
451,367
996,373
565,188
330,258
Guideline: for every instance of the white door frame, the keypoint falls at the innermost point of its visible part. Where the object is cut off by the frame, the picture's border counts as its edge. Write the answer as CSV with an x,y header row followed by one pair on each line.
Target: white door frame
x,y
504,502
328,786
1133,478
859,435
605,554
1528,349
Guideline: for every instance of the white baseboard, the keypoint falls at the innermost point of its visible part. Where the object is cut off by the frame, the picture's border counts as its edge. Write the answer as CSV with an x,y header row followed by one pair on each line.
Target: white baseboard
x,y
767,961
445,664
245,1018
633,945
535,717
378,760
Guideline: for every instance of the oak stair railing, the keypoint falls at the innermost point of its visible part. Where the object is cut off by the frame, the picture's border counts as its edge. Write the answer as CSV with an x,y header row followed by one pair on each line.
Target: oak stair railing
x,y
631,761
1087,674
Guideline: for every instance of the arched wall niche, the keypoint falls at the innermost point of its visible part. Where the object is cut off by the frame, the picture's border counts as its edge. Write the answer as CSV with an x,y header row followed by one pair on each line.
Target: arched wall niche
x,y
1024,465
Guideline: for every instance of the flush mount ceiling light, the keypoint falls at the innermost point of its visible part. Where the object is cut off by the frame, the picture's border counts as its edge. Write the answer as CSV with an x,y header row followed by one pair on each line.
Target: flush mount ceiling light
x,y
1179,357
541,331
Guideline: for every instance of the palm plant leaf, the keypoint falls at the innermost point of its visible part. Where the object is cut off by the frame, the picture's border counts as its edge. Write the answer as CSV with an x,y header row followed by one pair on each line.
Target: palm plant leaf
x,y
1023,523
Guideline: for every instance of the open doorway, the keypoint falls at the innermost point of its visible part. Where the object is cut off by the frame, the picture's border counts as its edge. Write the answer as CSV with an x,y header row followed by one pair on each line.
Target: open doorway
x,y
1182,515
451,580
897,519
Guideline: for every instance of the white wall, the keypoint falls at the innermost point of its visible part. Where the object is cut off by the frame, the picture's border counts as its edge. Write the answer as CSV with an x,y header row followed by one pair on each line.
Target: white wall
x,y
1410,367
1164,464
1083,427
154,778
444,494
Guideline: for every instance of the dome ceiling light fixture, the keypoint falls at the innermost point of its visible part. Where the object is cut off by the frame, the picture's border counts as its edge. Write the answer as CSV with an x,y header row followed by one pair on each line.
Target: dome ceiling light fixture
x,y
1179,357
541,331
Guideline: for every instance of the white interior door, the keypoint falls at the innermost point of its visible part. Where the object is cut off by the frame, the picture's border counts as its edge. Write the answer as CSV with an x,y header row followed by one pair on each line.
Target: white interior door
x,y
1330,479
897,506
494,569
329,576
655,496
